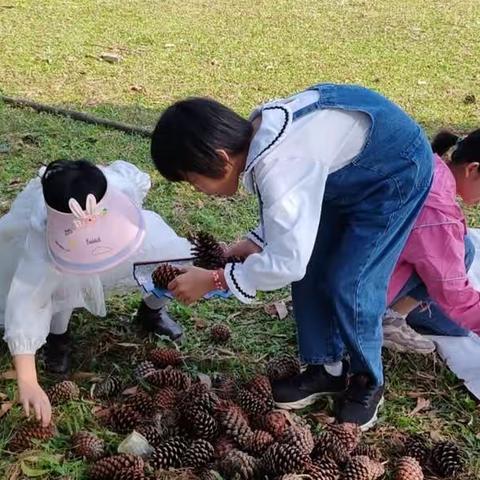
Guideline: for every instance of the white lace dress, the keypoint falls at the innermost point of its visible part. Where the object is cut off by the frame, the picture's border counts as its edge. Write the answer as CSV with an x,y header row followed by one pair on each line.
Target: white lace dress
x,y
32,291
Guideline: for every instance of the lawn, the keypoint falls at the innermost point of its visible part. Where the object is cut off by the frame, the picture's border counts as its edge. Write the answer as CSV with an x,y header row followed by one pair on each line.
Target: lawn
x,y
422,54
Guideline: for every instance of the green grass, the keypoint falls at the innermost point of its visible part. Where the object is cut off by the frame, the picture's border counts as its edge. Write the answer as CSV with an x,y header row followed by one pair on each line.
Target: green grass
x,y
424,55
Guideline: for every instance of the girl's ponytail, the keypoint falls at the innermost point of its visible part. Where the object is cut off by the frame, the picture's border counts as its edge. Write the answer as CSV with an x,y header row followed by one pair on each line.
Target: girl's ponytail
x,y
444,141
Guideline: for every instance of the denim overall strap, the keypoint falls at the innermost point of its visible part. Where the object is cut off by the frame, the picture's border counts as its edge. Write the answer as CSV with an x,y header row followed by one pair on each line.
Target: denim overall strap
x,y
368,211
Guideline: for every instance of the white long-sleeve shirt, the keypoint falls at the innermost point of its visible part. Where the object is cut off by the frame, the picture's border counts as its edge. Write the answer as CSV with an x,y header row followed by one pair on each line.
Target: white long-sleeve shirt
x,y
32,290
287,166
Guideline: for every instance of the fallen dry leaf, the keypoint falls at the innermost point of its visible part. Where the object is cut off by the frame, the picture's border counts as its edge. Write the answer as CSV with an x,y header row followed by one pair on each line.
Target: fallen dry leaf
x,y
5,408
3,396
436,436
205,379
84,375
128,345
130,391
200,324
8,375
322,418
111,57
281,309
422,404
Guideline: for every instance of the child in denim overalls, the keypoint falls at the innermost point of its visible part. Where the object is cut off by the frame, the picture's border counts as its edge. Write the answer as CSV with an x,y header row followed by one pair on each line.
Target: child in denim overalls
x,y
340,173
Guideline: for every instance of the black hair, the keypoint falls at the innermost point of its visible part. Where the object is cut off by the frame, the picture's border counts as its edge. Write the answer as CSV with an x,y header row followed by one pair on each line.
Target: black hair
x,y
467,149
189,133
64,179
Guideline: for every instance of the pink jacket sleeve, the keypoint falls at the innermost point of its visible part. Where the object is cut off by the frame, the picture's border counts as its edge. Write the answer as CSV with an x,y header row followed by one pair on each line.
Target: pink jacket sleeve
x,y
438,257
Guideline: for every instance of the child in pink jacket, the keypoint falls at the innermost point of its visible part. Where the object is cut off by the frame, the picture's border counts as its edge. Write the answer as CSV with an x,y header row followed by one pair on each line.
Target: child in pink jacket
x,y
432,269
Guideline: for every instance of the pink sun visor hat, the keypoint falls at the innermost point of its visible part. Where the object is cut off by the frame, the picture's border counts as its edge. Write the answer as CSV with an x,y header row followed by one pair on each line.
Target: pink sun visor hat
x,y
98,238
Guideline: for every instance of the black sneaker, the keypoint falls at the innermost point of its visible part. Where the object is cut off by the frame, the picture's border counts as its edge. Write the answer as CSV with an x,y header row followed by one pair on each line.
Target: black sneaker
x,y
57,353
306,388
159,322
361,402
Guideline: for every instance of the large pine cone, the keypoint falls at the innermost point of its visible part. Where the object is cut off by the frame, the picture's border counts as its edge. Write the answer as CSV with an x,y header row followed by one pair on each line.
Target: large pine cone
x,y
143,370
222,446
24,438
220,333
87,445
447,460
252,404
366,450
234,423
363,468
283,366
417,447
169,377
275,423
165,398
408,468
117,467
338,441
168,454
164,274
259,442
299,437
200,424
198,454
208,252
151,434
163,357
261,387
281,458
107,388
63,392
199,396
142,402
239,465
123,418
324,469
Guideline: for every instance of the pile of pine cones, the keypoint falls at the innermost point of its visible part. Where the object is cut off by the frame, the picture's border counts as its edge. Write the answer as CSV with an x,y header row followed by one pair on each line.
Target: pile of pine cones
x,y
184,428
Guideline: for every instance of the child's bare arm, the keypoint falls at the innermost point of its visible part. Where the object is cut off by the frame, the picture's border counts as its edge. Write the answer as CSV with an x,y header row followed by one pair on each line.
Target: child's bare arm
x,y
242,248
31,394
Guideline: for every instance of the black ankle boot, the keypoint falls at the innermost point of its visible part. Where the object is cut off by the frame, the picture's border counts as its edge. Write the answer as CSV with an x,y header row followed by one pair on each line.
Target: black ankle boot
x,y
159,322
57,353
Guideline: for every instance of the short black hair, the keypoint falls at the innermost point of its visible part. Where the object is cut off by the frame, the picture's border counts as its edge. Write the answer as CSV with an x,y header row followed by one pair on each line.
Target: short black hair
x,y
467,149
189,133
65,179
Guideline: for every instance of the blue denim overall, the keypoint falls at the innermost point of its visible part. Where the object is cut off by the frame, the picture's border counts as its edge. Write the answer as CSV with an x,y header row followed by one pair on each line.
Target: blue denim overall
x,y
368,211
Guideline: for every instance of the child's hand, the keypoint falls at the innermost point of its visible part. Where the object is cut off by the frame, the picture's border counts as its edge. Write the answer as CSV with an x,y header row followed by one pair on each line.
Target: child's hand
x,y
191,285
242,249
32,397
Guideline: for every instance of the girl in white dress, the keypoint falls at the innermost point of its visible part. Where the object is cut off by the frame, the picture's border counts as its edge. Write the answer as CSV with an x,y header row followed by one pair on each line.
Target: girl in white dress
x,y
71,236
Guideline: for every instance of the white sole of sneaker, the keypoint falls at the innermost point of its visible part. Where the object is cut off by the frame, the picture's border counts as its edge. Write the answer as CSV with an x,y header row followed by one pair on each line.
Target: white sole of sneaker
x,y
374,419
304,402
398,347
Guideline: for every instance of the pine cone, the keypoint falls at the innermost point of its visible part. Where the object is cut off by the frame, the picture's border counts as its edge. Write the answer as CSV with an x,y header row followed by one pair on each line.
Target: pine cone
x,y
168,423
198,454
275,423
338,441
24,438
324,469
259,442
300,438
225,387
222,446
199,396
151,434
143,370
220,333
408,468
87,445
365,450
169,377
260,386
284,366
164,274
123,418
165,399
130,473
447,459
163,357
208,252
281,458
110,387
142,402
417,448
363,468
117,467
200,424
252,404
168,454
63,392
239,465
235,424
